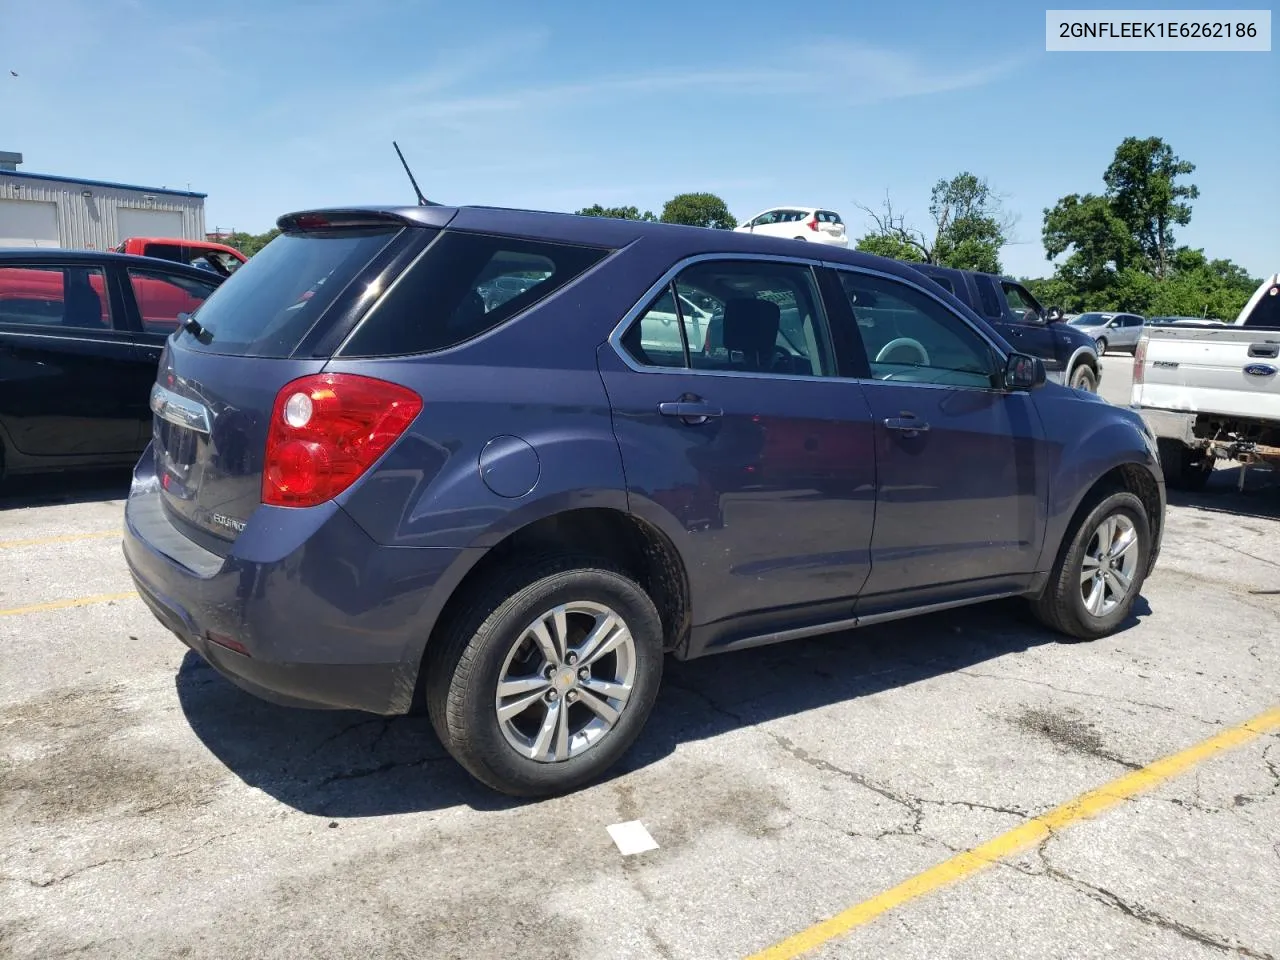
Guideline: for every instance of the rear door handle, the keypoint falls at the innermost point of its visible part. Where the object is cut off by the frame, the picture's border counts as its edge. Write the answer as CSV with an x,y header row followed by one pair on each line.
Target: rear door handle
x,y
690,411
907,424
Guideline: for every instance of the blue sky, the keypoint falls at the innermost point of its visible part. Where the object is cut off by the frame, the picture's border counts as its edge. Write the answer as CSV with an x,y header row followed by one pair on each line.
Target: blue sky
x,y
275,105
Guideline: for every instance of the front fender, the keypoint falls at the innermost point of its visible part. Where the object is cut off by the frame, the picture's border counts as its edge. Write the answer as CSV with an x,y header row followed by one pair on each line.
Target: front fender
x,y
1087,438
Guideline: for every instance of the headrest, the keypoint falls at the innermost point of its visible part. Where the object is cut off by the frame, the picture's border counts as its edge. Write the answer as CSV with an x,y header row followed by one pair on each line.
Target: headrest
x,y
751,326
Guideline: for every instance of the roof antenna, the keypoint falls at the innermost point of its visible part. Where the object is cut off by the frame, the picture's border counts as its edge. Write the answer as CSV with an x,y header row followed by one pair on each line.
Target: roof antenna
x,y
422,201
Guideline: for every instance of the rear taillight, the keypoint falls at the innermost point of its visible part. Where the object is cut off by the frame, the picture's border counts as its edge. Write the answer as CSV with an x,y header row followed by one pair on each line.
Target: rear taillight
x,y
813,224
328,429
1139,356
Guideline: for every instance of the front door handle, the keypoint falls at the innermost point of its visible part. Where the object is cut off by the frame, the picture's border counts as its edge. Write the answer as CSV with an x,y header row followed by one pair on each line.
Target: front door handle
x,y
691,412
907,424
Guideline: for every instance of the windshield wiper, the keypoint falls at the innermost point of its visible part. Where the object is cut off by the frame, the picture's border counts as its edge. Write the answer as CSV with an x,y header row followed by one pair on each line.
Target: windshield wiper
x,y
195,328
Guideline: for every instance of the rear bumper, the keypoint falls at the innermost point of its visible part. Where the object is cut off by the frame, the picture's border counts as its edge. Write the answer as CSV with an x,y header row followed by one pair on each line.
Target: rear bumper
x,y
326,617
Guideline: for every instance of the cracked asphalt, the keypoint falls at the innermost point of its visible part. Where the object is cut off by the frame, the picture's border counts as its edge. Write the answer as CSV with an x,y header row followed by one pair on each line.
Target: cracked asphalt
x,y
150,809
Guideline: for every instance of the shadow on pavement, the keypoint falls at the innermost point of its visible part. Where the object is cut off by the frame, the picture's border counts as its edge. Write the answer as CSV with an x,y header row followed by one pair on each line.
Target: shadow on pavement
x,y
346,764
42,490
1260,497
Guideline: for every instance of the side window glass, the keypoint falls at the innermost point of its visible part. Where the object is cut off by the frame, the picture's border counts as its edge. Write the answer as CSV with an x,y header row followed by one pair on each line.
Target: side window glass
x,y
464,285
162,298
654,339
1013,296
987,297
910,337
755,317
62,297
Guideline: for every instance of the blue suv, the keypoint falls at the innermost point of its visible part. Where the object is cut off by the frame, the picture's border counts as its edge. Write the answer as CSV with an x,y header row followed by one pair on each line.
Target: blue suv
x,y
497,464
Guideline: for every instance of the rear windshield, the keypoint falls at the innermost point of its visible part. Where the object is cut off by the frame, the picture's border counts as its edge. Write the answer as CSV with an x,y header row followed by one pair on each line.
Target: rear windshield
x,y
1266,312
273,301
463,285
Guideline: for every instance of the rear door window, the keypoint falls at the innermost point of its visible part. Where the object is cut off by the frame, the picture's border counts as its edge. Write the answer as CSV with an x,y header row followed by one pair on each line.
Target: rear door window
x,y
987,297
65,297
463,285
276,298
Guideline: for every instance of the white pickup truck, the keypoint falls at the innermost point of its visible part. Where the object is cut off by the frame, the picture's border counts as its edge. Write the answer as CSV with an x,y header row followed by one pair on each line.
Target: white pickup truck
x,y
1212,391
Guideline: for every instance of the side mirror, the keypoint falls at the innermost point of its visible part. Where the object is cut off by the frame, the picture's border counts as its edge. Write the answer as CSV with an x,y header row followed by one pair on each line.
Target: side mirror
x,y
1022,372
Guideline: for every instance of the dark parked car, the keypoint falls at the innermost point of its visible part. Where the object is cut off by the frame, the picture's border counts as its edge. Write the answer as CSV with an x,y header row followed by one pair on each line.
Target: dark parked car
x,y
80,336
385,489
1070,356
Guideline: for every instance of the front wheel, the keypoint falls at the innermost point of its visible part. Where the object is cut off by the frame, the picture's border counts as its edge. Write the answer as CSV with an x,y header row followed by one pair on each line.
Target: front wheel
x,y
1098,575
1083,378
548,677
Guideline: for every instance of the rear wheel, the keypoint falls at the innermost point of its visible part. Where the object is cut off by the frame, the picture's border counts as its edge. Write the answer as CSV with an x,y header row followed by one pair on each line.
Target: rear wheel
x,y
547,677
1098,575
1184,468
1083,378
1101,344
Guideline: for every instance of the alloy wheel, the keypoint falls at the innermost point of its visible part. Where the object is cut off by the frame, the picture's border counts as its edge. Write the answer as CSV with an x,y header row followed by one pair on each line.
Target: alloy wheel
x,y
1109,564
565,681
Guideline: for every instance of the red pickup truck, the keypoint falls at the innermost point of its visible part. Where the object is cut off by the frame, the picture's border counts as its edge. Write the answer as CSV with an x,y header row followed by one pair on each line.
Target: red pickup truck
x,y
215,257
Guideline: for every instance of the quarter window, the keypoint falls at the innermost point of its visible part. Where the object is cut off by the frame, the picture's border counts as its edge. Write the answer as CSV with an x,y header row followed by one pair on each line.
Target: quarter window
x,y
464,285
654,340
161,298
911,337
63,297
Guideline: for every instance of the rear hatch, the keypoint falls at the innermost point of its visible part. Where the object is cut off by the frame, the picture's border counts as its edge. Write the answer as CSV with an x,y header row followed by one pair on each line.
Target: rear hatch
x,y
279,318
830,223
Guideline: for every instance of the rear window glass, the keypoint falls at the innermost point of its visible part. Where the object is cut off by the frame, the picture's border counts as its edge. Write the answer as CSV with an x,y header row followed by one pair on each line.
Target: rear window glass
x,y
1266,312
273,301
463,285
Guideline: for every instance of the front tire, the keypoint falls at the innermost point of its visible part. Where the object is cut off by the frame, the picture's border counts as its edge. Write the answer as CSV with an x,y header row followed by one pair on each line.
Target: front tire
x,y
547,676
1100,572
1083,378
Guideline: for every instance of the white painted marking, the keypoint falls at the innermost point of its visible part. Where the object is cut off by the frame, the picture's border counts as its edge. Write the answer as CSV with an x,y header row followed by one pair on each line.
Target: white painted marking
x,y
631,838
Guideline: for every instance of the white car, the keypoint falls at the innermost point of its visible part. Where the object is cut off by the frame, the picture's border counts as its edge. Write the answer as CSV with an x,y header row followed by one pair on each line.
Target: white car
x,y
799,223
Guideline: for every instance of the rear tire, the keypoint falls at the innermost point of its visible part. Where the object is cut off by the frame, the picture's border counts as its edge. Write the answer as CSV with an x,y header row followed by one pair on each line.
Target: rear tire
x,y
1184,468
1083,378
500,637
1101,344
1109,548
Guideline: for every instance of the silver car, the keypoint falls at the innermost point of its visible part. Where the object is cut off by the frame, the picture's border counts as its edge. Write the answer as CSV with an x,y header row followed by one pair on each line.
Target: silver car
x,y
1118,330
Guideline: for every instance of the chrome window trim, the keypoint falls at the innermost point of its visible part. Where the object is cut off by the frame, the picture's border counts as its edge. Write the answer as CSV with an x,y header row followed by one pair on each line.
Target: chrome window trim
x,y
630,317
178,410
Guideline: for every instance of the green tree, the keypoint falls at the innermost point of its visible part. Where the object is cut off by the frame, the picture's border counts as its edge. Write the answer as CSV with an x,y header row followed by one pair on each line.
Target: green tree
x,y
617,213
1145,197
251,243
888,245
969,227
698,210
1099,242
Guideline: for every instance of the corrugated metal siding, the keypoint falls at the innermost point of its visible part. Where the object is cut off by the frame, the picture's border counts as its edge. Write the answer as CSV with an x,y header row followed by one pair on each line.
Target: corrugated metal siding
x,y
90,222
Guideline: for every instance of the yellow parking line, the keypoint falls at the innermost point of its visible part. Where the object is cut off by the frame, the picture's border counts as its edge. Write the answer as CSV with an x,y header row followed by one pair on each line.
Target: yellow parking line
x,y
59,538
1021,838
64,604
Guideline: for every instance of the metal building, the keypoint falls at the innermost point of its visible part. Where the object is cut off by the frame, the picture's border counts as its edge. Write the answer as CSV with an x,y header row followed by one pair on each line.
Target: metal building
x,y
42,210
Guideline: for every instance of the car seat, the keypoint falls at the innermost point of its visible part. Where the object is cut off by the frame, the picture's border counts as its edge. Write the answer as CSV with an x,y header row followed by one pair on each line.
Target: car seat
x,y
751,330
